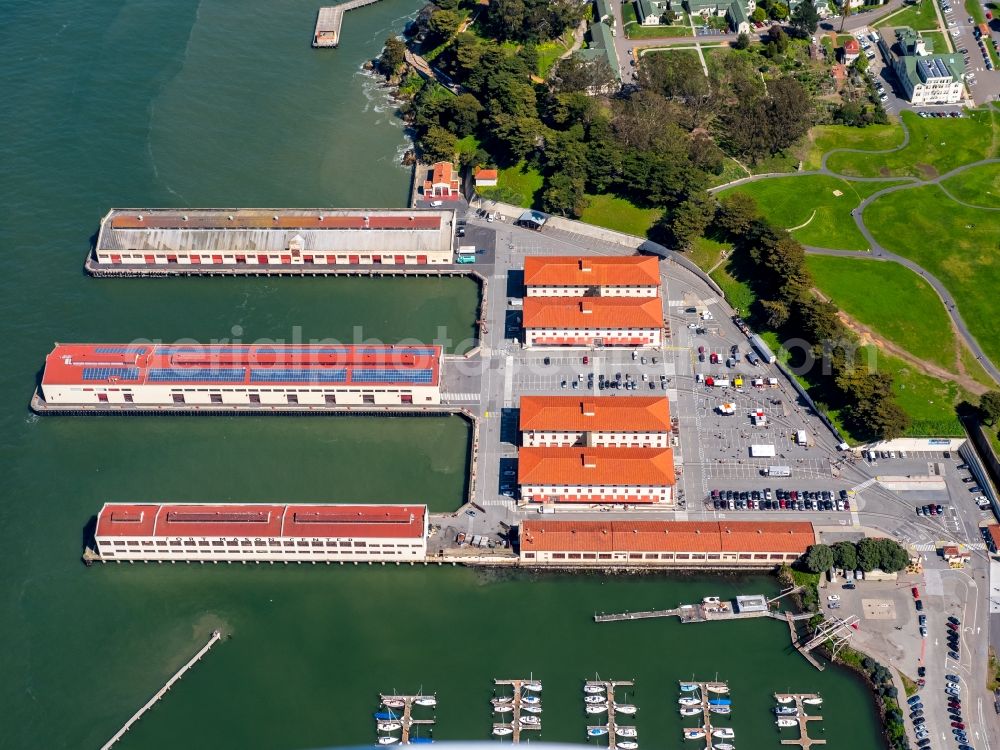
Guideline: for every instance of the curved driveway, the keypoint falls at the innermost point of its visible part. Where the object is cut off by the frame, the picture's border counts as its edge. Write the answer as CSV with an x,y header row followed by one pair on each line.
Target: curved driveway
x,y
878,251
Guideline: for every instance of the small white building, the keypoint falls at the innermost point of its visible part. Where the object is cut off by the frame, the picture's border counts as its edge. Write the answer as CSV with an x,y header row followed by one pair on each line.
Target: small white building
x,y
596,475
595,421
235,532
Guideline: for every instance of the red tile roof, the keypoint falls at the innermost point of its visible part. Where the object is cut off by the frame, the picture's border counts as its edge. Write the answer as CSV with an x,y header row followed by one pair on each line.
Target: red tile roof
x,y
588,467
261,520
486,174
592,312
994,533
851,47
595,413
255,220
256,364
666,536
587,270
442,172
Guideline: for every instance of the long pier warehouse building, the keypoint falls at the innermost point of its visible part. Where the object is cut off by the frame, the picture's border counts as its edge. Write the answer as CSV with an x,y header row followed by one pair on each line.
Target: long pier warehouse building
x,y
595,421
596,475
591,276
750,544
224,238
238,375
262,532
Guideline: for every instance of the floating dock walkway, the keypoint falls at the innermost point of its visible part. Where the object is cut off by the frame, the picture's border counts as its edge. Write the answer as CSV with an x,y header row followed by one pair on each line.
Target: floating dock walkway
x,y
613,727
711,608
329,21
523,713
711,695
804,740
216,637
394,703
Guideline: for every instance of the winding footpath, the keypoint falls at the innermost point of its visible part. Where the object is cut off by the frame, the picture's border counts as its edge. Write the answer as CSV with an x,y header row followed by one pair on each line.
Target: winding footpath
x,y
877,250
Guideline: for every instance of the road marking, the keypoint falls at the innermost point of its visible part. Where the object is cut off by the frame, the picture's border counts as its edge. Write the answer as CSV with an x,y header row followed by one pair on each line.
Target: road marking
x,y
460,397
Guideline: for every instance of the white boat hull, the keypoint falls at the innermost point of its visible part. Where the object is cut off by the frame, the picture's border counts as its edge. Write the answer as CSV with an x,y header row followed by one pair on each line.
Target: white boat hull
x,y
535,687
597,732
597,709
689,701
532,709
721,710
529,720
813,701
502,731
503,709
393,704
628,745
426,702
786,722
696,735
626,709
724,734
724,746
689,711
594,699
593,689
389,726
388,740
626,732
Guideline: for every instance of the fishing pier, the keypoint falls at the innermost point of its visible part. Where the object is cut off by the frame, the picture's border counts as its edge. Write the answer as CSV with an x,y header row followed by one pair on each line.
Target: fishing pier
x,y
216,637
329,21
613,728
713,697
523,705
801,717
710,609
393,703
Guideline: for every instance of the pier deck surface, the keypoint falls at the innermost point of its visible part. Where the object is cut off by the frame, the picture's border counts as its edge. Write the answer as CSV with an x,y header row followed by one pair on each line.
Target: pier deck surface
x,y
216,637
804,740
329,21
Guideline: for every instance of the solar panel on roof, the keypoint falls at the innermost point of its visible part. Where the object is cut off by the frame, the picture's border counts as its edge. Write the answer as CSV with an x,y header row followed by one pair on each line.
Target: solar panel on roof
x,y
298,376
106,373
223,375
120,350
369,375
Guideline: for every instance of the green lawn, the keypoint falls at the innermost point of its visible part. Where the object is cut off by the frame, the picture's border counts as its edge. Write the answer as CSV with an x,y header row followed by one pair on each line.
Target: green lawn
x,y
810,199
893,301
825,138
705,252
738,293
635,30
730,171
550,51
936,41
936,146
467,145
615,213
979,186
519,185
955,243
920,17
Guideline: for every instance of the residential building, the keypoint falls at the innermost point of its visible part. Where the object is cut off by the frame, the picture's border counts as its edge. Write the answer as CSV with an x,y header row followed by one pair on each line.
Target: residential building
x,y
602,47
736,15
442,182
686,544
650,12
602,11
852,51
486,177
925,78
596,475
592,276
595,421
238,532
178,240
196,375
593,321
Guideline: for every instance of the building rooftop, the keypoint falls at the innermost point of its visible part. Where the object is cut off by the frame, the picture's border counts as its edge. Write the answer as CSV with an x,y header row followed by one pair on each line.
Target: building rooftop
x,y
271,230
261,520
486,174
443,173
592,312
590,467
595,413
254,364
667,536
587,270
851,47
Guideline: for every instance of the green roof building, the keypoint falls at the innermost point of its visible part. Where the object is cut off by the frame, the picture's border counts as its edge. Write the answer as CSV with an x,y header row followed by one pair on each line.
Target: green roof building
x,y
924,77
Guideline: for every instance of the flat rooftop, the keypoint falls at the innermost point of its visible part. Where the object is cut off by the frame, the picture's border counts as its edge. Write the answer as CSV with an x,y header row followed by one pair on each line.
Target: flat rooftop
x,y
260,520
271,230
592,312
595,413
591,270
588,467
252,364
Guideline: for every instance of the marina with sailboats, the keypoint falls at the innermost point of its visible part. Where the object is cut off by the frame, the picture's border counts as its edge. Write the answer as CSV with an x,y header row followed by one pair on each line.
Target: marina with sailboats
x,y
517,708
707,700
600,699
790,712
395,722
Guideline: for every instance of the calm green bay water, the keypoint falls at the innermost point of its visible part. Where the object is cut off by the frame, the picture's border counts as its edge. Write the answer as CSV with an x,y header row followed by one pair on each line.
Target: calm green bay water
x,y
179,102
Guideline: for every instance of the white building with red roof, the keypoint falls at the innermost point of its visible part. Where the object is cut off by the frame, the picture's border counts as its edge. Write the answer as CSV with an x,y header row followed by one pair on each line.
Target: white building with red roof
x,y
442,182
242,375
596,475
595,421
591,322
261,532
693,544
193,240
591,276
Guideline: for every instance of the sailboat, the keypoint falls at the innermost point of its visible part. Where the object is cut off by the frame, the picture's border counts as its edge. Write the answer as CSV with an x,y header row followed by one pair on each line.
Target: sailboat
x,y
502,699
594,699
593,689
723,710
626,732
813,701
786,722
689,687
531,699
502,731
385,716
426,701
724,746
597,709
532,709
725,733
597,731
690,711
786,711
533,685
503,708
717,688
389,726
393,703
689,701
628,745
530,720
625,708
388,740
694,734
785,699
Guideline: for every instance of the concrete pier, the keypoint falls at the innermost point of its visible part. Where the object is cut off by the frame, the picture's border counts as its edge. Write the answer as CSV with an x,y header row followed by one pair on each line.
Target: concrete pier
x,y
798,700
517,704
329,21
216,637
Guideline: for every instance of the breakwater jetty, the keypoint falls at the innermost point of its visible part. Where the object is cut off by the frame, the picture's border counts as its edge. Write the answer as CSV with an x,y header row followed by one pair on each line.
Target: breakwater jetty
x,y
329,21
216,637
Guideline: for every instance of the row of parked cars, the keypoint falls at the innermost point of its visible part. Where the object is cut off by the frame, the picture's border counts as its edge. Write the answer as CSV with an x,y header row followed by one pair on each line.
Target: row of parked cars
x,y
780,499
953,691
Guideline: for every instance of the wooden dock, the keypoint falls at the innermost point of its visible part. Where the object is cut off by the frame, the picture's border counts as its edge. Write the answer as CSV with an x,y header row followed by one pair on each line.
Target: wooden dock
x,y
390,702
329,21
517,704
216,637
804,740
706,691
612,725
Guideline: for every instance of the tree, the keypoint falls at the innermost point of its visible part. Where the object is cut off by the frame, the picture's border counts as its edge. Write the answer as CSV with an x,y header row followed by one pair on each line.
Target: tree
x,y
860,65
869,556
819,558
778,11
737,212
577,73
777,35
393,55
443,24
893,556
438,144
743,40
462,113
775,312
668,17
989,407
564,195
692,217
758,16
845,556
805,18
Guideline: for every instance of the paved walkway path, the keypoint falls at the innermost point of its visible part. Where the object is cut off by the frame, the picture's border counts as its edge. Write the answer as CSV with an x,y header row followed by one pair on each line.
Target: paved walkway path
x,y
880,252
